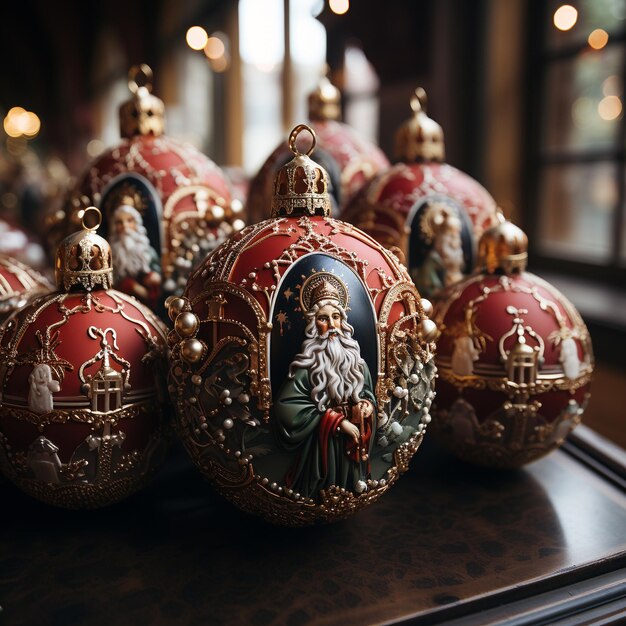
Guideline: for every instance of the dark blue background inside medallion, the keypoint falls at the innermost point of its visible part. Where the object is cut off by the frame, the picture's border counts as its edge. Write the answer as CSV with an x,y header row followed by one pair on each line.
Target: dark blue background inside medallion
x,y
285,346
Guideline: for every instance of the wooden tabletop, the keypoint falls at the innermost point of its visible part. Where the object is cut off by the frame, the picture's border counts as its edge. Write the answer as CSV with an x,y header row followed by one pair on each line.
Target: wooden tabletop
x,y
449,541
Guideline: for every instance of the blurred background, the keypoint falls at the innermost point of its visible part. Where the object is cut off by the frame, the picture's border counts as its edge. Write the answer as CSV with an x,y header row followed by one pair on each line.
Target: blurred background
x,y
529,93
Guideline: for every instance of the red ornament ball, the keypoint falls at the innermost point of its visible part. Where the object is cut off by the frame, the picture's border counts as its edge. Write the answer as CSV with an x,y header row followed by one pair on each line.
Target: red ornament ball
x,y
514,360
301,362
82,418
165,205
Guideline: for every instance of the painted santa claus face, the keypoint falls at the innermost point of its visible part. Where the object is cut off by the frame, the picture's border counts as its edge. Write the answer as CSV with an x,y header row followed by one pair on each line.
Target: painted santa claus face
x,y
130,244
124,222
328,318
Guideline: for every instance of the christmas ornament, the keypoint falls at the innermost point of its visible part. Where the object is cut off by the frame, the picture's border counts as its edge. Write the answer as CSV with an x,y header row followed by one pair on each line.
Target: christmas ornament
x,y
514,359
165,205
301,360
349,159
81,376
427,211
18,284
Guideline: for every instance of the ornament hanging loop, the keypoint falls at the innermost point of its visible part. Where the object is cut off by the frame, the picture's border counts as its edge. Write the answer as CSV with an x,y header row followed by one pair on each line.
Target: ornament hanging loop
x,y
293,136
135,82
97,220
419,100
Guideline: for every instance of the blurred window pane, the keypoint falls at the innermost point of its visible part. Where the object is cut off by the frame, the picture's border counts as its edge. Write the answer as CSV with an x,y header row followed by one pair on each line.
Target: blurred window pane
x,y
576,211
262,48
583,100
608,15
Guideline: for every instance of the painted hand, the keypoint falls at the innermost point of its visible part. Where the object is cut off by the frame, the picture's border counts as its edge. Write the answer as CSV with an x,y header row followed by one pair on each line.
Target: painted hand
x,y
350,429
367,408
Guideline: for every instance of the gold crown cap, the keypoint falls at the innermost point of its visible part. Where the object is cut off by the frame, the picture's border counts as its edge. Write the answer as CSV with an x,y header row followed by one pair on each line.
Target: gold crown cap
x,y
325,100
83,259
144,113
301,186
420,138
503,248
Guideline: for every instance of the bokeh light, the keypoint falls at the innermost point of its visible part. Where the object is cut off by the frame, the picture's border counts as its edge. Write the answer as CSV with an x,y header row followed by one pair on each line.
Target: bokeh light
x,y
565,17
610,108
95,148
339,6
214,48
21,123
598,38
197,38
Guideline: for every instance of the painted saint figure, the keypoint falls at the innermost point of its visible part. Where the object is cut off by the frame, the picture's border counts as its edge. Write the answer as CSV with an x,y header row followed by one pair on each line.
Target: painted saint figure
x,y
137,264
324,412
443,266
42,386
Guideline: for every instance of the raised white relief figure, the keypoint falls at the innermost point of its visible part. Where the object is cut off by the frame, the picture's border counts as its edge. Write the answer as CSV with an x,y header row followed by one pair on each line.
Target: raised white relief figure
x,y
464,355
42,386
568,358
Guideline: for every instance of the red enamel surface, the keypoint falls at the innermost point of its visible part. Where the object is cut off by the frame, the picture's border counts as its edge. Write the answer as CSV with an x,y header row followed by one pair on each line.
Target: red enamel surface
x,y
266,246
161,160
403,185
254,257
77,347
493,319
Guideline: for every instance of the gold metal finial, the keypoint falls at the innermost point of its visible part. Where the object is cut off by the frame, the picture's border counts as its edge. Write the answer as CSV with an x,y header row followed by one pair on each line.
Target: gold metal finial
x,y
301,186
293,136
419,100
97,221
420,138
325,100
134,74
144,113
503,248
83,259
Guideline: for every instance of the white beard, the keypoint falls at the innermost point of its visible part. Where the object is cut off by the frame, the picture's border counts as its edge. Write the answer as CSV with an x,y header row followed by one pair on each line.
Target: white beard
x,y
335,368
131,254
453,261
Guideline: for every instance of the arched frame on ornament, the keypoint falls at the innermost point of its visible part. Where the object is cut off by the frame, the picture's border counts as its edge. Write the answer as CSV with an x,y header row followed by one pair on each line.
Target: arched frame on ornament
x,y
288,320
152,215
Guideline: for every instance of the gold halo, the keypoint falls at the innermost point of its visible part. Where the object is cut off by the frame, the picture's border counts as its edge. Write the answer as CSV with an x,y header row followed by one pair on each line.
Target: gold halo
x,y
294,135
313,281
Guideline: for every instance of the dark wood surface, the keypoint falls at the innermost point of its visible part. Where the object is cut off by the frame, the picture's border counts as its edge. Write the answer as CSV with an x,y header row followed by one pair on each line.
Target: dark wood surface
x,y
449,542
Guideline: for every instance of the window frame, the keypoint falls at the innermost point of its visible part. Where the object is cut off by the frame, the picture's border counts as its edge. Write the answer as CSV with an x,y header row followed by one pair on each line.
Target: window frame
x,y
612,271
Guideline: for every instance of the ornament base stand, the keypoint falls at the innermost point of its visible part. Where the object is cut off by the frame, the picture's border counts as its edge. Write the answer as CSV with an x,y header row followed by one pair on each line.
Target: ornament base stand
x,y
449,542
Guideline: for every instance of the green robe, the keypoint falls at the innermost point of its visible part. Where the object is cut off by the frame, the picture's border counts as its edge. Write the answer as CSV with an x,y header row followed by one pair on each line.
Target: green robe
x,y
297,422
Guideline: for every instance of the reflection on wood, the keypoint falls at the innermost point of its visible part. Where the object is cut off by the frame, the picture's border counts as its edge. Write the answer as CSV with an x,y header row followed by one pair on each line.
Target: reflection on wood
x,y
450,540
